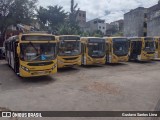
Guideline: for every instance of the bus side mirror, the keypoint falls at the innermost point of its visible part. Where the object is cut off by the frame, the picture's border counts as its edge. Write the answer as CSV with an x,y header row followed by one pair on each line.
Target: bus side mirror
x,y
18,50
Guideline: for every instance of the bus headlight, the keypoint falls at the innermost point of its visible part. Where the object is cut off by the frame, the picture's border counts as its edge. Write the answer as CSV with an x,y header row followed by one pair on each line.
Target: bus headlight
x,y
60,61
24,68
54,67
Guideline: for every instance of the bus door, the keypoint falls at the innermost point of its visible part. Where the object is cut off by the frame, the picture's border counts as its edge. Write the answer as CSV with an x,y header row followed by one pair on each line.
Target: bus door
x,y
107,51
136,47
16,58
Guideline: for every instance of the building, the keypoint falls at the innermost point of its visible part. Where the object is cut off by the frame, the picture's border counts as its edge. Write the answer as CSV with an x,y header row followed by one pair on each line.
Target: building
x,y
135,23
96,24
153,23
81,19
119,25
109,29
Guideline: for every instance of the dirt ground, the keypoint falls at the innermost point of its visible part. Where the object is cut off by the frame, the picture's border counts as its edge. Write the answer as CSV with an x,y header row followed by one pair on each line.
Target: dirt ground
x,y
128,86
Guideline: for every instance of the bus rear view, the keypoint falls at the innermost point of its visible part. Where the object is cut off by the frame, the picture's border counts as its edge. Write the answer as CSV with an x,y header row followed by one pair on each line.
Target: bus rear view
x,y
93,51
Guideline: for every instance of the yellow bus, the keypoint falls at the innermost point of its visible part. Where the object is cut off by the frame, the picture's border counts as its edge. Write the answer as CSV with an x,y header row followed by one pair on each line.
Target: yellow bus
x,y
142,48
93,50
32,54
118,49
69,50
157,52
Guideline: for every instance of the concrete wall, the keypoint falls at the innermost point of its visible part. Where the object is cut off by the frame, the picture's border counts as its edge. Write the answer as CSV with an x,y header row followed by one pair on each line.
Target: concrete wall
x,y
97,24
154,21
134,22
81,18
102,27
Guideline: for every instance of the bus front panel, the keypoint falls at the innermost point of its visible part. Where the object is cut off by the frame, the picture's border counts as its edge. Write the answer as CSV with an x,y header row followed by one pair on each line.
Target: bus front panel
x,y
37,59
119,50
95,52
69,51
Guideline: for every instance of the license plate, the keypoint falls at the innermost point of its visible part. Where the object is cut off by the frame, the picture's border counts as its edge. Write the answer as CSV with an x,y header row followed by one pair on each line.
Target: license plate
x,y
41,72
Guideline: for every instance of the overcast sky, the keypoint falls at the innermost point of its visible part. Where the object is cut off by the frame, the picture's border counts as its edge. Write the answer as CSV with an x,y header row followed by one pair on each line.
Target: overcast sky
x,y
96,8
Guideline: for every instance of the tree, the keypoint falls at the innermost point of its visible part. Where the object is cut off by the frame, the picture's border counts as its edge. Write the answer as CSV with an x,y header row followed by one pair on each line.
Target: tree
x,y
72,24
97,33
42,15
73,13
67,29
51,17
13,12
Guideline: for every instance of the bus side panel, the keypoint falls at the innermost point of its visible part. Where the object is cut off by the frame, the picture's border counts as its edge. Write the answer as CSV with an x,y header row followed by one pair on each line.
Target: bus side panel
x,y
12,56
9,54
16,58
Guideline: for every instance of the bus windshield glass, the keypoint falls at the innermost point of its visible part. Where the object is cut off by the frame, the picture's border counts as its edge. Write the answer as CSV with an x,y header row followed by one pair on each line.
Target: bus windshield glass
x,y
37,38
38,51
120,46
96,47
150,45
69,46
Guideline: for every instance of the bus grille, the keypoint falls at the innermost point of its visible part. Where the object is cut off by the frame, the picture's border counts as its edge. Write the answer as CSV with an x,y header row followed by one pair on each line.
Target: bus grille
x,y
40,64
71,58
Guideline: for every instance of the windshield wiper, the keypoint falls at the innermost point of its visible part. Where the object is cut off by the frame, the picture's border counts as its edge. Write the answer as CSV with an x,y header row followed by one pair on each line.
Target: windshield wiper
x,y
35,58
33,46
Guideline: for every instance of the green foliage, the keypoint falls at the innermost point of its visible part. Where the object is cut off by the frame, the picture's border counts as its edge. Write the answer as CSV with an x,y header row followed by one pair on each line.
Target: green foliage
x,y
68,29
73,13
13,12
52,16
85,34
97,33
117,34
56,20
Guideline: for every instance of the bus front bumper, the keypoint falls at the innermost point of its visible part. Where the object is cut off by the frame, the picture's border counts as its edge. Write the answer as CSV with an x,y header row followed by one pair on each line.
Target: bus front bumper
x,y
24,73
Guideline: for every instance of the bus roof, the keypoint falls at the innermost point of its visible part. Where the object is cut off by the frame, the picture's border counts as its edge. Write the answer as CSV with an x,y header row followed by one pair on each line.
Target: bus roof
x,y
92,37
40,34
68,35
139,37
115,37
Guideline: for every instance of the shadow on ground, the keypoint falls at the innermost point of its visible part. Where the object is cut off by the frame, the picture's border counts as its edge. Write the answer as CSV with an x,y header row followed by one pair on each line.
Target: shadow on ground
x,y
142,62
116,64
92,66
40,79
10,81
68,69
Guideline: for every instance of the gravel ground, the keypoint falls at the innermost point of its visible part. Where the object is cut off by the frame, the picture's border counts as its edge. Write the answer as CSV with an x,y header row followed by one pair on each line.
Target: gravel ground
x,y
120,87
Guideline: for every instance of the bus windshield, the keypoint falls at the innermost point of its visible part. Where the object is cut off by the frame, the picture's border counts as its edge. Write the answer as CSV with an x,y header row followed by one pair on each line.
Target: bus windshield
x,y
69,48
96,48
120,46
150,45
38,51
